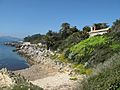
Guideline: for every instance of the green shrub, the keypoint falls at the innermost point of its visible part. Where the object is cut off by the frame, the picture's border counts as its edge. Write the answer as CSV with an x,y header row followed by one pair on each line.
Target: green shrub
x,y
62,58
89,71
72,40
73,78
108,77
80,69
94,50
81,52
54,57
115,46
93,41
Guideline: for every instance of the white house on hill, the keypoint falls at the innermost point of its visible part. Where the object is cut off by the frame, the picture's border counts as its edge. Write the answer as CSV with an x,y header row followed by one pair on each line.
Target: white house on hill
x,y
94,32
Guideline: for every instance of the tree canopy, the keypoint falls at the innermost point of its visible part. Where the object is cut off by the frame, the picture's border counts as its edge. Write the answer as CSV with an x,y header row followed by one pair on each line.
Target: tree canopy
x,y
100,25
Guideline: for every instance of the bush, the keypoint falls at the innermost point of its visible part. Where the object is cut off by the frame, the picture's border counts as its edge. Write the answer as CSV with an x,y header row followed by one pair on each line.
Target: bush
x,y
108,77
62,58
73,78
89,71
94,50
81,52
80,69
116,26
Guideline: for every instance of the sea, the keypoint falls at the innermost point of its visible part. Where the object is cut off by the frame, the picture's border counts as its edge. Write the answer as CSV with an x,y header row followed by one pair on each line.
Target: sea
x,y
11,60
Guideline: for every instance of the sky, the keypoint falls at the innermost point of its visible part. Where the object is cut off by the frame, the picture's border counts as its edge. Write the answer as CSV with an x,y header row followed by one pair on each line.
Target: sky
x,y
20,18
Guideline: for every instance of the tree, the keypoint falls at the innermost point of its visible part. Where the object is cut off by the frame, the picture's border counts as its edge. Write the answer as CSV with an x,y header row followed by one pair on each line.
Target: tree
x,y
73,30
27,39
65,26
64,31
51,38
36,38
48,41
100,25
49,33
86,29
116,26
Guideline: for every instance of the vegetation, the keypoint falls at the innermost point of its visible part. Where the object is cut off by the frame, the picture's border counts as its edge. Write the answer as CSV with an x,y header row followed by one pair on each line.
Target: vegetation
x,y
22,84
26,87
19,83
98,57
80,69
108,76
73,78
86,29
81,52
100,25
65,38
94,50
34,38
116,26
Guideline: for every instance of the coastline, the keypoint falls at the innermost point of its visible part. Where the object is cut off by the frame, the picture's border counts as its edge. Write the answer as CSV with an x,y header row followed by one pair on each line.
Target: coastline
x,y
45,72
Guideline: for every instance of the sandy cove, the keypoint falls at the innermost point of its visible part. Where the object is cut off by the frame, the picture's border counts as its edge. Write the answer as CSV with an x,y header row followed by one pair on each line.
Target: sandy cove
x,y
46,73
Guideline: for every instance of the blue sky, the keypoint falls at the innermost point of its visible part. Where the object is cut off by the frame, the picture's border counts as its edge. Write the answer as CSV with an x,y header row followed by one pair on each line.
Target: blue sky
x,y
20,18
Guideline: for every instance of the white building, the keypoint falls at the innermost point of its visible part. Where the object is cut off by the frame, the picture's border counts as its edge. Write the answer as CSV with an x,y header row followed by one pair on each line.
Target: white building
x,y
94,32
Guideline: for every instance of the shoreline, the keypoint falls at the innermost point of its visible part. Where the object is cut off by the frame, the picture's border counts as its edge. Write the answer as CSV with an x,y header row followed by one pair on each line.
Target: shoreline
x,y
45,72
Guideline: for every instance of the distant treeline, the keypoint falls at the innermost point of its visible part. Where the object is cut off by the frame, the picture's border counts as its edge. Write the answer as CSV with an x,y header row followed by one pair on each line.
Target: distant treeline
x,y
66,37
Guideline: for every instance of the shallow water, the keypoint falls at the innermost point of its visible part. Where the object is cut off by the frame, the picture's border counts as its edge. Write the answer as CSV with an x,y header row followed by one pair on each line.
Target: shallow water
x,y
11,60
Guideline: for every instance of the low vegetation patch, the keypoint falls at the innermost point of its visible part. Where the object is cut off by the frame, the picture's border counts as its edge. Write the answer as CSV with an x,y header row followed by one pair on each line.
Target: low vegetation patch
x,y
81,52
80,69
73,78
94,50
107,77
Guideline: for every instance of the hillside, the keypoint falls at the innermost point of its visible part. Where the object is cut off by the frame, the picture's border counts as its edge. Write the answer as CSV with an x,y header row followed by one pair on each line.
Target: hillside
x,y
102,55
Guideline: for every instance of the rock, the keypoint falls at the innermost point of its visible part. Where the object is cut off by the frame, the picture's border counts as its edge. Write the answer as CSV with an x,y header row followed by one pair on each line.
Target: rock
x,y
5,80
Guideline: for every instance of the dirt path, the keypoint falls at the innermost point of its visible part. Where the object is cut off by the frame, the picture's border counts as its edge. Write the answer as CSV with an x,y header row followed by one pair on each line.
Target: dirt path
x,y
49,78
37,72
60,81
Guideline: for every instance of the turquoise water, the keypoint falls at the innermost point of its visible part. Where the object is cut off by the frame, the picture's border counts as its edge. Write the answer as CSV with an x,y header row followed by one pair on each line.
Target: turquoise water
x,y
11,60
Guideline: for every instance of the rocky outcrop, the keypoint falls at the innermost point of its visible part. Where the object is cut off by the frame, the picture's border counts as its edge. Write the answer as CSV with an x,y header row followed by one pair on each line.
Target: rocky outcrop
x,y
5,79
36,55
11,81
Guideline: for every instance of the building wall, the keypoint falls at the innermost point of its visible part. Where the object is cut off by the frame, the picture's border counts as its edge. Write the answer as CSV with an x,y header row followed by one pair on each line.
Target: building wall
x,y
96,33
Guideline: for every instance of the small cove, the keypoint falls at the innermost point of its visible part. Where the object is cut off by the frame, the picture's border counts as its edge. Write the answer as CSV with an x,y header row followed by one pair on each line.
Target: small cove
x,y
11,60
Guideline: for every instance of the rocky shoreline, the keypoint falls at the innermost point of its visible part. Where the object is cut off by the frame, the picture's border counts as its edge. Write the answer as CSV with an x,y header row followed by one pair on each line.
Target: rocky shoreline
x,y
35,55
44,72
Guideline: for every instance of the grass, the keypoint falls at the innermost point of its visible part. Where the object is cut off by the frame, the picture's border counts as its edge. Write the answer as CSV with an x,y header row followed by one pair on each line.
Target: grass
x,y
80,69
94,50
115,46
73,78
81,52
62,58
88,44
